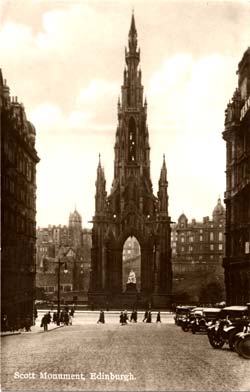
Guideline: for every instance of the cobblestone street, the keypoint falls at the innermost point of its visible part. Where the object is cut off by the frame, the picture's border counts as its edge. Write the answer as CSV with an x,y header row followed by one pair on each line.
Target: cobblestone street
x,y
152,356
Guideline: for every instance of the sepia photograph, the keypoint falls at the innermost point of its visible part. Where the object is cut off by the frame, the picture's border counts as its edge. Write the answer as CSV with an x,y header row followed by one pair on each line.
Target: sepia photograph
x,y
125,195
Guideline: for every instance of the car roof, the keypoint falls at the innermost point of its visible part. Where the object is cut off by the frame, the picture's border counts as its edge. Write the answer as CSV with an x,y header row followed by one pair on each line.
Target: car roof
x,y
240,308
211,310
185,307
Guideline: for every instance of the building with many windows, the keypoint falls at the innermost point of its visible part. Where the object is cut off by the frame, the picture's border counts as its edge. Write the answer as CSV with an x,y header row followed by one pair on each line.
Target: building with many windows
x,y
237,195
18,208
69,244
197,253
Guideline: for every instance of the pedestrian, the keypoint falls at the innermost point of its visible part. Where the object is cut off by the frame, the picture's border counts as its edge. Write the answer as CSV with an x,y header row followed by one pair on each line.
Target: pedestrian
x,y
27,324
158,317
125,317
121,318
49,317
101,318
149,318
44,322
62,317
133,316
72,311
145,316
66,318
70,319
55,317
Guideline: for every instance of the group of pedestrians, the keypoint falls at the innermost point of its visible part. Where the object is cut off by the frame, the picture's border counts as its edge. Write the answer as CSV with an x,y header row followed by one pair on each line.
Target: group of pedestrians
x,y
65,318
124,318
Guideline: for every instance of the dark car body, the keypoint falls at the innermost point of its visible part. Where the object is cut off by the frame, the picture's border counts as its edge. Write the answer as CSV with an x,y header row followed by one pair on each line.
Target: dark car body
x,y
206,317
181,313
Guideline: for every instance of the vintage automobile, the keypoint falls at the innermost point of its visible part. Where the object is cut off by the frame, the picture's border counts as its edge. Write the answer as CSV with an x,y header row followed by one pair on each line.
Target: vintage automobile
x,y
189,318
231,320
181,312
203,320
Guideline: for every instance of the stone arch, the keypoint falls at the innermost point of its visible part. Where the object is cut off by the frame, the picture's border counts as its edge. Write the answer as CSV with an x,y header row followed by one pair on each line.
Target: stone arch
x,y
131,261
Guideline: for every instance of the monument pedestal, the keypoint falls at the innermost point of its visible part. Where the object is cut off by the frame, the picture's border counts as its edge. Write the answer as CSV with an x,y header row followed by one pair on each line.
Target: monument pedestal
x,y
131,288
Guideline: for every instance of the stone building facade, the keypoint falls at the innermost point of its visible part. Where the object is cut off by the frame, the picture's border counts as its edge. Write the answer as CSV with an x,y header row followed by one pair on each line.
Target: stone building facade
x,y
197,254
237,195
71,245
18,208
131,209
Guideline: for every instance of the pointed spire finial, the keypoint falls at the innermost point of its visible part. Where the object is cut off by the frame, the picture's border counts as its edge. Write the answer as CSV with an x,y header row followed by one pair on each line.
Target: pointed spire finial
x,y
132,30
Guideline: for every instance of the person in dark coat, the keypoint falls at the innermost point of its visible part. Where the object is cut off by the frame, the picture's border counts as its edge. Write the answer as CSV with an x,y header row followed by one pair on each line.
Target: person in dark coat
x,y
62,317
145,316
72,312
149,318
121,318
27,324
45,321
125,317
158,317
101,318
133,316
49,317
55,317
66,318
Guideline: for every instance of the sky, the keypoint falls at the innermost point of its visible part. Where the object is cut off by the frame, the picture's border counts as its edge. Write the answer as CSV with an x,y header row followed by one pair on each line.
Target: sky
x,y
65,60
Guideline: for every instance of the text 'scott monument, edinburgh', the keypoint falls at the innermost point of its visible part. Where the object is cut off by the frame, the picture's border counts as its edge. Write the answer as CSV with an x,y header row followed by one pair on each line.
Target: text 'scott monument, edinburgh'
x,y
131,210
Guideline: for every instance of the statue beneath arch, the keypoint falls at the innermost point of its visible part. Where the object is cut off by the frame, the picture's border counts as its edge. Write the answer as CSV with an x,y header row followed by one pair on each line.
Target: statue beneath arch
x,y
131,282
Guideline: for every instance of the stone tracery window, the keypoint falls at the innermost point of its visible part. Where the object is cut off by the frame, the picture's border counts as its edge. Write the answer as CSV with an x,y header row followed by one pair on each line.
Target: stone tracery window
x,y
132,140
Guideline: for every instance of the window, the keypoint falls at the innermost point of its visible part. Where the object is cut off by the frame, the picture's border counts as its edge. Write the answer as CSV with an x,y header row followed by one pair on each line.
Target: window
x,y
211,236
182,248
191,239
132,140
220,247
201,238
182,239
220,236
211,246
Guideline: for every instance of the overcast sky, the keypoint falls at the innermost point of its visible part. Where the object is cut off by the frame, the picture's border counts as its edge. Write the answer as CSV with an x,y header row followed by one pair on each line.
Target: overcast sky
x,y
65,59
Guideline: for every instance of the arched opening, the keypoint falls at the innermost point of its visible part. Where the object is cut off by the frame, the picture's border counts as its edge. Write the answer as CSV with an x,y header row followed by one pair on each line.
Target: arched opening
x,y
131,263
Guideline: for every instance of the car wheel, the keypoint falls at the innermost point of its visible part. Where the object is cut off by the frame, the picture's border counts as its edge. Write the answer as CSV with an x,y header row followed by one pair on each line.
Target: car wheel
x,y
244,347
216,341
232,339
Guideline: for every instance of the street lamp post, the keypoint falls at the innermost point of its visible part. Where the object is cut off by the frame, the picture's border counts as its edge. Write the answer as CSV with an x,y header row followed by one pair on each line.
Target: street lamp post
x,y
59,290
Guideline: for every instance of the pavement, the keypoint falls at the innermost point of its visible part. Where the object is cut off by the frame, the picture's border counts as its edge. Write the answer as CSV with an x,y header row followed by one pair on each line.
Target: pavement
x,y
110,357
